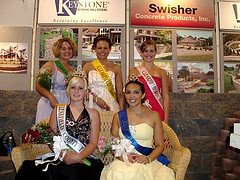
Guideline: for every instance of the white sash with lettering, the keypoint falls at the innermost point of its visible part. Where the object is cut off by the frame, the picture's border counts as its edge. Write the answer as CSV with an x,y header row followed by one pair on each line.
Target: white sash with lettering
x,y
152,85
74,143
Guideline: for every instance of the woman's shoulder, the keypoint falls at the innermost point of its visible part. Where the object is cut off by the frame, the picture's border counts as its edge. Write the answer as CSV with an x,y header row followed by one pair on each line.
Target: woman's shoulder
x,y
49,65
134,71
92,111
87,67
152,114
161,72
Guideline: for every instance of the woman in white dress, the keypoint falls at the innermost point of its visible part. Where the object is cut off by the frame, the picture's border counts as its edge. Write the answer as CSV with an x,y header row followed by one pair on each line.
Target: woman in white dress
x,y
63,49
104,78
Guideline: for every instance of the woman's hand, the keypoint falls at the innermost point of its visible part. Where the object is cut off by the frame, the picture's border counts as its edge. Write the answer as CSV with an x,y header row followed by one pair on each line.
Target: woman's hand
x,y
71,157
142,159
102,104
53,101
131,157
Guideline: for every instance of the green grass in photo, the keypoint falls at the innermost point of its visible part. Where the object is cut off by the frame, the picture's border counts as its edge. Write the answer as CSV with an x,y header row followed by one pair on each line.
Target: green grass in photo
x,y
206,58
228,85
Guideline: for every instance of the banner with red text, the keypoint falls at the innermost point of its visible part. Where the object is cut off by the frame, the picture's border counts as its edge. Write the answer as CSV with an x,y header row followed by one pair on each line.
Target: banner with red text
x,y
175,13
81,12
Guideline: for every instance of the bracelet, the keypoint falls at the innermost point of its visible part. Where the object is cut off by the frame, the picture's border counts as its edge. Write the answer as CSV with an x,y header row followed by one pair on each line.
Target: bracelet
x,y
149,159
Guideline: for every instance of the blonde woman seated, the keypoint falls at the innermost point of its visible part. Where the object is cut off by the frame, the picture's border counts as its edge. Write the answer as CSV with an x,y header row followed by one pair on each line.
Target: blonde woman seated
x,y
80,127
144,129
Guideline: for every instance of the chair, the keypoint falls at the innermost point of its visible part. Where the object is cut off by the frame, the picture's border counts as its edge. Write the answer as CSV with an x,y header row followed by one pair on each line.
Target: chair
x,y
178,155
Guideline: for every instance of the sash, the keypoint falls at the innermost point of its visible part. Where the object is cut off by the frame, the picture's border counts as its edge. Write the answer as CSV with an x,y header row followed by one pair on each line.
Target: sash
x,y
151,84
60,66
104,75
74,143
123,119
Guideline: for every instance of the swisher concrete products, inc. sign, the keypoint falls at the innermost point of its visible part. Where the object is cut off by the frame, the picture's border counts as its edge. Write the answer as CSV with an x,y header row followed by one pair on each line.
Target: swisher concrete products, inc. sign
x,y
191,14
81,11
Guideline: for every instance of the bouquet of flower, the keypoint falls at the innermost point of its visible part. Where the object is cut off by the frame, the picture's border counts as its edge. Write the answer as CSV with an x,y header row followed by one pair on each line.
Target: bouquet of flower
x,y
40,133
119,147
44,78
105,145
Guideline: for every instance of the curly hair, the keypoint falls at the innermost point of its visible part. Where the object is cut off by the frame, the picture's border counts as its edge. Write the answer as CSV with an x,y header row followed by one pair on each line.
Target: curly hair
x,y
58,44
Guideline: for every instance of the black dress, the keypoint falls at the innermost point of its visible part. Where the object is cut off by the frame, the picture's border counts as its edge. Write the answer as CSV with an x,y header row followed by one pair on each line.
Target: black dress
x,y
79,129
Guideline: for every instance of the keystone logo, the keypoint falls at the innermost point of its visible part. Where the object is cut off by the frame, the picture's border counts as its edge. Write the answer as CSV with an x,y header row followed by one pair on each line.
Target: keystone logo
x,y
66,7
236,12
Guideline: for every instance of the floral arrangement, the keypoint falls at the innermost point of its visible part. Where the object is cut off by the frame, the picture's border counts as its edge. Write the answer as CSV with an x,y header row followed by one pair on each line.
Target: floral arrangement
x,y
119,147
44,78
40,133
105,145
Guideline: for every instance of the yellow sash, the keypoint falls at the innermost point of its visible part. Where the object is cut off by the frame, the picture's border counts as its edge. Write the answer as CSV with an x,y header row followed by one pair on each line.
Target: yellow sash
x,y
104,75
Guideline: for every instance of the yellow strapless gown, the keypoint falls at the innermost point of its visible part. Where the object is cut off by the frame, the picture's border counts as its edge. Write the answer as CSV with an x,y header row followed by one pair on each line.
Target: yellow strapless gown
x,y
118,170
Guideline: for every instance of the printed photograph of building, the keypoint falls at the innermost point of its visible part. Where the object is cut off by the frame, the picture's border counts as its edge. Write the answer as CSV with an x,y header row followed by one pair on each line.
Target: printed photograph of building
x,y
13,57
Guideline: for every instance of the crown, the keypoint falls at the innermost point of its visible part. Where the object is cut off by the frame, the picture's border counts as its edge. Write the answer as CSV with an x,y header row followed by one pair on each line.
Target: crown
x,y
78,72
133,77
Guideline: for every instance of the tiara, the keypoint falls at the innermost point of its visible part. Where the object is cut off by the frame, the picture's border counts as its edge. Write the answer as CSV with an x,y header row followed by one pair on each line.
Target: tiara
x,y
133,77
78,72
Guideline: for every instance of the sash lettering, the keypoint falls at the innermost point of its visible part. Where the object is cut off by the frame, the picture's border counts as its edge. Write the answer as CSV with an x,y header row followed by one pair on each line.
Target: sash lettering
x,y
104,75
152,85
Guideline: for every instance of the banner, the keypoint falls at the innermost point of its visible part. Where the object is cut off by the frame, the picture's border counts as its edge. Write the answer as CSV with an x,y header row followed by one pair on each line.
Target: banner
x,y
229,15
191,14
81,11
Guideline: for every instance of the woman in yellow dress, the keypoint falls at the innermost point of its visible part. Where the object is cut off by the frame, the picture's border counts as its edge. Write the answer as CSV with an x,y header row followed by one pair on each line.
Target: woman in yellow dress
x,y
142,126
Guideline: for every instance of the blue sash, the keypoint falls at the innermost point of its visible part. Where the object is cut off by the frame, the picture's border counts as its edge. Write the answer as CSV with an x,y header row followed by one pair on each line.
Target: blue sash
x,y
123,119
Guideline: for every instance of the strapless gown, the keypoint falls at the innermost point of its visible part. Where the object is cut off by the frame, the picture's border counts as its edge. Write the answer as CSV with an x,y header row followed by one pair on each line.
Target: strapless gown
x,y
118,170
98,87
154,105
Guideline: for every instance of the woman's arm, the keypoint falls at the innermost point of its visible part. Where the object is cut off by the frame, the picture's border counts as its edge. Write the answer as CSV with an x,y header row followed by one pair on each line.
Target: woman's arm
x,y
53,121
165,94
115,126
119,87
158,137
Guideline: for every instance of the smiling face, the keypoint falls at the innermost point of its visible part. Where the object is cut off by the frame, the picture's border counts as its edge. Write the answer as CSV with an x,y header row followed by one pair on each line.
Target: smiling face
x,y
66,51
134,94
102,50
149,53
76,89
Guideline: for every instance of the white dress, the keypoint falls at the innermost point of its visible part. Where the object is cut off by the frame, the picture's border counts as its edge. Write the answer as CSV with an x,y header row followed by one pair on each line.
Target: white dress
x,y
98,88
118,170
58,89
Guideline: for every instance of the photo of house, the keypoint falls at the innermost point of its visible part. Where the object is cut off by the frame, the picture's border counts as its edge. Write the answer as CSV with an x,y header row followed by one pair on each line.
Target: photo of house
x,y
13,57
195,78
88,37
194,45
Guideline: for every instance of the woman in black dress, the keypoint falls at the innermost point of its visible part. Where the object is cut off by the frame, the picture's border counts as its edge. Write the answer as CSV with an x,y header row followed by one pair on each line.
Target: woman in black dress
x,y
80,127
